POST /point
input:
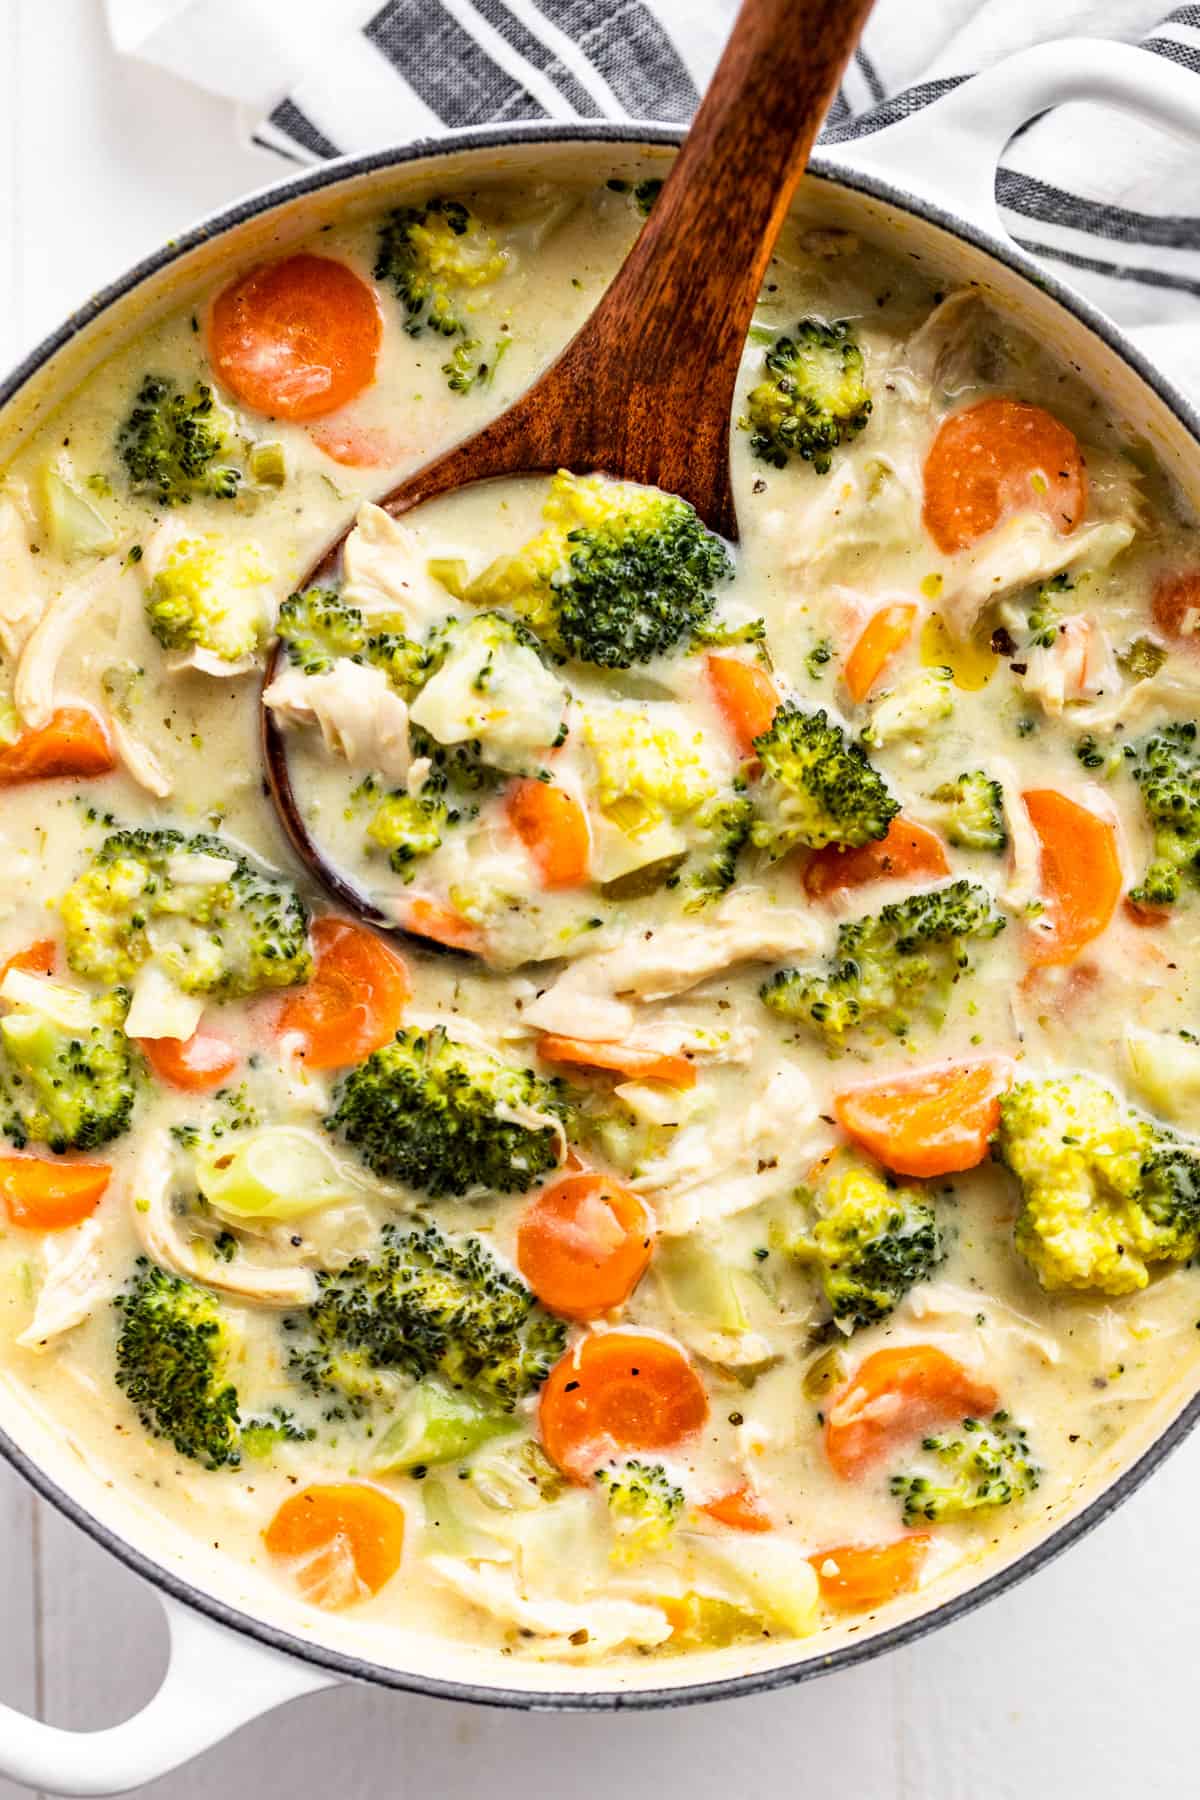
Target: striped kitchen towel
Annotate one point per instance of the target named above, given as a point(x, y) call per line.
point(1109, 200)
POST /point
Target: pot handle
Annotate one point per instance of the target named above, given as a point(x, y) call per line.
point(215, 1681)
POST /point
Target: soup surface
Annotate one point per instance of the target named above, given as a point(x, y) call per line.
point(759, 1182)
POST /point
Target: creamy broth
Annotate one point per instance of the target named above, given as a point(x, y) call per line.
point(1034, 651)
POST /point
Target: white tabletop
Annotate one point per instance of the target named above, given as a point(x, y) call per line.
point(1078, 1684)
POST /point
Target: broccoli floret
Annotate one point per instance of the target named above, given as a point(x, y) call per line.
point(644, 1505)
point(1045, 616)
point(870, 1243)
point(173, 1355)
point(447, 1118)
point(171, 441)
point(891, 965)
point(729, 823)
point(1166, 766)
point(214, 921)
point(812, 396)
point(425, 1305)
point(211, 595)
point(645, 772)
point(317, 628)
point(408, 827)
point(435, 256)
point(1104, 1191)
point(988, 1465)
point(816, 788)
point(621, 574)
point(71, 1087)
point(972, 812)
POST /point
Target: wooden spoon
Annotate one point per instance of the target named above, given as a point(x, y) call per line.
point(645, 389)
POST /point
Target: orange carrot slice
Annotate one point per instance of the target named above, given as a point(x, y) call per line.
point(72, 742)
point(1081, 876)
point(898, 1394)
point(625, 1059)
point(196, 1064)
point(745, 695)
point(996, 458)
point(934, 1121)
point(740, 1509)
point(553, 828)
point(297, 338)
point(431, 919)
point(616, 1394)
point(583, 1244)
point(344, 1541)
point(49, 1196)
point(1175, 606)
point(882, 635)
point(357, 446)
point(908, 852)
point(35, 959)
point(857, 1577)
point(355, 1000)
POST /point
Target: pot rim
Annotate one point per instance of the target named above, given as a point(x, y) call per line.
point(826, 168)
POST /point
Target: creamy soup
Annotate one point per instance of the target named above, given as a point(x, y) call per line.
point(752, 1182)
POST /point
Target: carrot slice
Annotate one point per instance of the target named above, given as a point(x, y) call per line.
point(618, 1393)
point(430, 919)
point(745, 695)
point(740, 1509)
point(583, 1244)
point(72, 742)
point(882, 635)
point(1175, 606)
point(196, 1064)
point(907, 852)
point(357, 446)
point(344, 1541)
point(897, 1394)
point(355, 1000)
point(36, 959)
point(46, 1196)
point(1081, 876)
point(553, 828)
point(934, 1121)
point(857, 1577)
point(994, 459)
point(626, 1059)
point(296, 338)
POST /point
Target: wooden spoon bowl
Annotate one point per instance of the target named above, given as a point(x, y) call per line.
point(645, 390)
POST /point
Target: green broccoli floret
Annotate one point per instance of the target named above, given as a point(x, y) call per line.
point(424, 1305)
point(621, 574)
point(1044, 617)
point(435, 256)
point(891, 965)
point(812, 396)
point(171, 441)
point(1104, 1191)
point(816, 787)
point(173, 1355)
point(870, 1243)
point(989, 1465)
point(1166, 766)
point(644, 1505)
point(972, 812)
point(213, 595)
point(408, 827)
point(317, 628)
point(70, 1086)
point(447, 1118)
point(215, 922)
point(729, 824)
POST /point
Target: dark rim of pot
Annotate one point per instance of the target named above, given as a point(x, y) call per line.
point(813, 1664)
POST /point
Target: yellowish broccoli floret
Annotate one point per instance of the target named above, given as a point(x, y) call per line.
point(1105, 1193)
point(211, 595)
point(869, 1242)
point(435, 256)
point(645, 773)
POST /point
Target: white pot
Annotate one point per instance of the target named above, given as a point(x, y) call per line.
point(926, 185)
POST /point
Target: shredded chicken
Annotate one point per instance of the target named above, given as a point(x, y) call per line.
point(362, 719)
point(75, 1284)
point(104, 589)
point(1020, 552)
point(937, 1300)
point(21, 602)
point(163, 1235)
point(595, 998)
point(1078, 665)
point(384, 572)
point(139, 760)
point(578, 1630)
point(1022, 883)
point(942, 355)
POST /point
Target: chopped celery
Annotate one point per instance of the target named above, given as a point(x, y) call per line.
point(267, 465)
point(451, 572)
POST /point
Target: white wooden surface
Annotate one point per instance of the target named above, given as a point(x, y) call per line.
point(1079, 1684)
